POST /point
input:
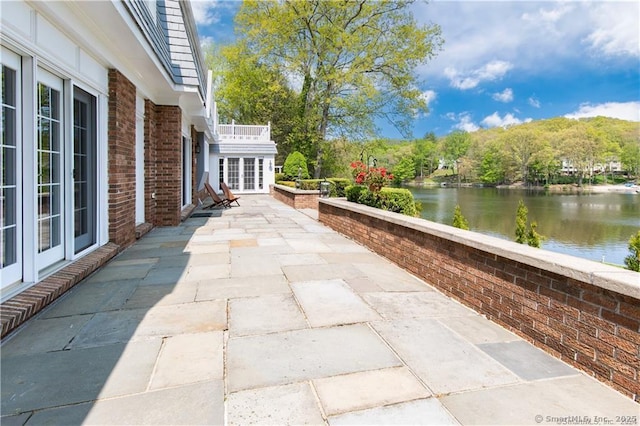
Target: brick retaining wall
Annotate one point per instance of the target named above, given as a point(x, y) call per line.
point(296, 198)
point(583, 312)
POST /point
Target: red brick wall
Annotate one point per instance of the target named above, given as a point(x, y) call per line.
point(150, 159)
point(295, 198)
point(121, 158)
point(591, 328)
point(168, 124)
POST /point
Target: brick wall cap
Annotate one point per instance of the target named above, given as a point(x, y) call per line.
point(598, 274)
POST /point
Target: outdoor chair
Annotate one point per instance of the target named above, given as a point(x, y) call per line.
point(227, 193)
point(217, 201)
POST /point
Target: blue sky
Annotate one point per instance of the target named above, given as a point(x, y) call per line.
point(509, 62)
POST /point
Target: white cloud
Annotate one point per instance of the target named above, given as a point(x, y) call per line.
point(505, 96)
point(429, 96)
point(204, 11)
point(616, 28)
point(494, 120)
point(534, 102)
point(490, 71)
point(536, 37)
point(464, 121)
point(623, 110)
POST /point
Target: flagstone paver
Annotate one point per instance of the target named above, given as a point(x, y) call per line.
point(368, 389)
point(261, 315)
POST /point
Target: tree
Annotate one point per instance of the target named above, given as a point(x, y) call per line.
point(459, 220)
point(521, 143)
point(521, 223)
point(630, 156)
point(250, 93)
point(404, 170)
point(455, 147)
point(633, 259)
point(523, 235)
point(425, 152)
point(353, 61)
point(296, 166)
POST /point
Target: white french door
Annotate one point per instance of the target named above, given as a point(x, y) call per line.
point(49, 185)
point(11, 258)
point(242, 174)
point(49, 170)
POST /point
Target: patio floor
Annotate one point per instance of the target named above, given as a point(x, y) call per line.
point(261, 315)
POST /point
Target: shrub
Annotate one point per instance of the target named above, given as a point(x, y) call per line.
point(288, 183)
point(632, 261)
point(353, 192)
point(295, 163)
point(459, 221)
point(397, 200)
point(341, 185)
point(279, 177)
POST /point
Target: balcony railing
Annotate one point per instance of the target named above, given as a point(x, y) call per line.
point(235, 131)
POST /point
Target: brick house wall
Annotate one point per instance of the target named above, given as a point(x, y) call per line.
point(168, 124)
point(121, 159)
point(150, 161)
point(588, 326)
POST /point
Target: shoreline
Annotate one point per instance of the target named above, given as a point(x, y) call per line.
point(558, 188)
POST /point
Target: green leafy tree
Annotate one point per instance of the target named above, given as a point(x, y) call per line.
point(455, 146)
point(521, 143)
point(630, 156)
point(296, 166)
point(354, 61)
point(425, 153)
point(250, 92)
point(459, 220)
point(632, 261)
point(404, 170)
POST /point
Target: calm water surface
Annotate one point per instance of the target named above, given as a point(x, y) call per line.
point(594, 226)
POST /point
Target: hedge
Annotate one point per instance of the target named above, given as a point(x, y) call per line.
point(399, 200)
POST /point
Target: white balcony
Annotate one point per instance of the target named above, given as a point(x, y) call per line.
point(241, 132)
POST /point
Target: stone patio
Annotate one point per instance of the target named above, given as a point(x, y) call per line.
point(261, 315)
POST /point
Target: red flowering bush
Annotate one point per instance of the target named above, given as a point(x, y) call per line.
point(372, 177)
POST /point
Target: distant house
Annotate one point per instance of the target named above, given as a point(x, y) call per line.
point(243, 156)
point(108, 129)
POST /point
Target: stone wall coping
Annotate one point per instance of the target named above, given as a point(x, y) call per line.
point(598, 274)
point(296, 190)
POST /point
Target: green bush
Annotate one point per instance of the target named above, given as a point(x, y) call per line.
point(341, 184)
point(279, 177)
point(295, 163)
point(352, 192)
point(288, 183)
point(399, 200)
point(632, 261)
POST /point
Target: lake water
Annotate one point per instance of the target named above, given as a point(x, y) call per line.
point(593, 226)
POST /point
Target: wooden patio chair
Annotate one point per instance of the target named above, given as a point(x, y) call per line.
point(215, 198)
point(227, 193)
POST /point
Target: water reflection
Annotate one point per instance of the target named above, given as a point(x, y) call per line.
point(589, 226)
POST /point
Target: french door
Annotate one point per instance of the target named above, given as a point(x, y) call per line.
point(84, 166)
point(10, 178)
point(49, 167)
point(48, 183)
point(243, 174)
point(249, 168)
